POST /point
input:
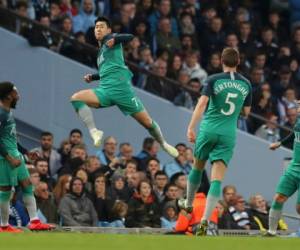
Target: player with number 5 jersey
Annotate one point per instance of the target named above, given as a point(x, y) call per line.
point(114, 87)
point(224, 97)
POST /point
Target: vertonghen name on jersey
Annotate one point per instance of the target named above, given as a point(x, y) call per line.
point(231, 84)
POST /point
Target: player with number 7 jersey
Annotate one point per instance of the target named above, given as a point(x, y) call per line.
point(224, 97)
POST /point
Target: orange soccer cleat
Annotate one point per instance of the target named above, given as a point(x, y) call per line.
point(10, 229)
point(37, 225)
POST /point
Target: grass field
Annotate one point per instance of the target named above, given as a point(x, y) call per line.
point(89, 241)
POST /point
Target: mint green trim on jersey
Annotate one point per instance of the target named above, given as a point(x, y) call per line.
point(78, 105)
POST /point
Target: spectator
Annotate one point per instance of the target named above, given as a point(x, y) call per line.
point(108, 154)
point(135, 179)
point(41, 36)
point(42, 167)
point(62, 187)
point(86, 17)
point(75, 208)
point(214, 65)
point(150, 149)
point(34, 176)
point(232, 41)
point(83, 175)
point(163, 10)
point(237, 216)
point(93, 167)
point(256, 78)
point(180, 164)
point(153, 166)
point(69, 8)
point(160, 182)
point(64, 151)
point(101, 201)
point(133, 50)
point(283, 82)
point(131, 167)
point(196, 86)
point(45, 203)
point(118, 214)
point(229, 192)
point(175, 67)
point(141, 30)
point(77, 160)
point(143, 209)
point(260, 213)
point(290, 123)
point(246, 41)
point(180, 180)
point(269, 131)
point(75, 137)
point(186, 24)
point(163, 38)
point(171, 193)
point(146, 61)
point(41, 7)
point(170, 215)
point(118, 189)
point(268, 45)
point(47, 152)
point(184, 98)
point(193, 67)
point(55, 15)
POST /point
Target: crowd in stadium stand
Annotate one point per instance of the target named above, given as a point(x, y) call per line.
point(117, 188)
point(182, 40)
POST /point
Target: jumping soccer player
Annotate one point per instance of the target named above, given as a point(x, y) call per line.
point(289, 181)
point(12, 166)
point(226, 94)
point(115, 87)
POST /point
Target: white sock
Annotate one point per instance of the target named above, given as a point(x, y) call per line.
point(30, 204)
point(274, 217)
point(4, 213)
point(211, 203)
point(86, 115)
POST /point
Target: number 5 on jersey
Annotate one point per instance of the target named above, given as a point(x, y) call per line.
point(231, 104)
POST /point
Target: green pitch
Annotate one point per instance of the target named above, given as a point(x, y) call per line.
point(88, 241)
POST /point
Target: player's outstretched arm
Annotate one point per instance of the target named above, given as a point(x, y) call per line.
point(197, 114)
point(275, 145)
point(91, 77)
point(119, 38)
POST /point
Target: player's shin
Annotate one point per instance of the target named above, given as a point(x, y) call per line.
point(29, 202)
point(274, 216)
point(4, 207)
point(155, 131)
point(193, 184)
point(213, 197)
point(85, 114)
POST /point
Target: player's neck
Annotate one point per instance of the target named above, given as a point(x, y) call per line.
point(229, 69)
point(5, 106)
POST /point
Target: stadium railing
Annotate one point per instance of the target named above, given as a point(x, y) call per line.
point(10, 17)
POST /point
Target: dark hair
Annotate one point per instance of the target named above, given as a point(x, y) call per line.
point(140, 184)
point(46, 133)
point(169, 185)
point(175, 177)
point(21, 4)
point(180, 144)
point(75, 130)
point(124, 144)
point(5, 89)
point(152, 159)
point(44, 14)
point(39, 160)
point(160, 172)
point(72, 182)
point(104, 20)
point(132, 161)
point(148, 143)
point(230, 57)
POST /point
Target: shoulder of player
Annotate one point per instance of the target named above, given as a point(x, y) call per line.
point(241, 77)
point(215, 77)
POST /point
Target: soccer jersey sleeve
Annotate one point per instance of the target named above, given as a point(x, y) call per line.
point(208, 87)
point(123, 38)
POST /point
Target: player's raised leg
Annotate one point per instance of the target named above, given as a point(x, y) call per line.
point(154, 130)
point(82, 101)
